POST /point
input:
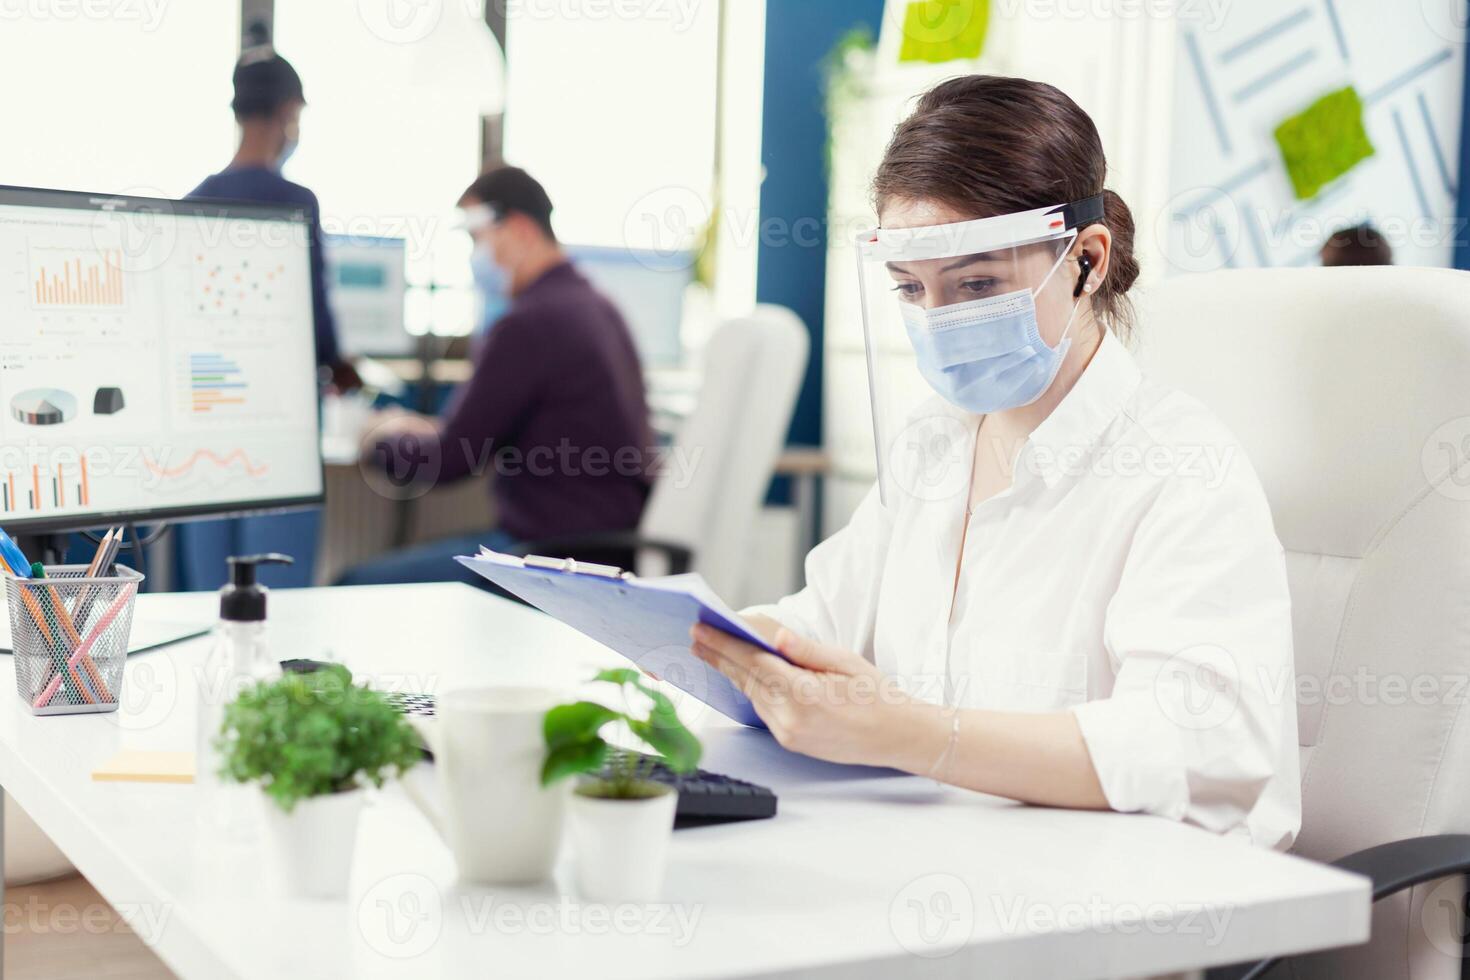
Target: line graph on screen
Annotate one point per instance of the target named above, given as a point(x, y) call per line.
point(205, 464)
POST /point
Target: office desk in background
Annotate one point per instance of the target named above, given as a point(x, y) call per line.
point(362, 520)
point(853, 878)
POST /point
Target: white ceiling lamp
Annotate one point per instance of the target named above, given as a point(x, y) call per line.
point(465, 59)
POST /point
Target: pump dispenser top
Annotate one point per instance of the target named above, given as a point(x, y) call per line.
point(243, 599)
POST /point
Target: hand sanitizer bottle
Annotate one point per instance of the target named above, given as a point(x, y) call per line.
point(240, 658)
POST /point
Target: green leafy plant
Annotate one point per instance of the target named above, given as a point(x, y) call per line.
point(575, 746)
point(313, 734)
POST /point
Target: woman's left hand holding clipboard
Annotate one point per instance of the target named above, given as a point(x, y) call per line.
point(821, 701)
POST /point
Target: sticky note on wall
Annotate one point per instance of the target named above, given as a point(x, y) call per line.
point(1324, 141)
point(936, 31)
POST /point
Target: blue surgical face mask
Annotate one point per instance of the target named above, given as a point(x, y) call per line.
point(493, 286)
point(986, 355)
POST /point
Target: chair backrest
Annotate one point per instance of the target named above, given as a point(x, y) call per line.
point(716, 476)
point(1349, 390)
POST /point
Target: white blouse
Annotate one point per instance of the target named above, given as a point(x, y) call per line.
point(1130, 575)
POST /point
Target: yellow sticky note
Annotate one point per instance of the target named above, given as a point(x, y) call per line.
point(936, 31)
point(138, 766)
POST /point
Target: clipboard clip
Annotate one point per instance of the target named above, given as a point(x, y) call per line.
point(571, 566)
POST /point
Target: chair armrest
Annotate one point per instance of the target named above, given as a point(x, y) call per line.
point(618, 548)
point(1403, 864)
point(1391, 867)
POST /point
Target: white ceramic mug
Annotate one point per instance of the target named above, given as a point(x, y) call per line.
point(499, 822)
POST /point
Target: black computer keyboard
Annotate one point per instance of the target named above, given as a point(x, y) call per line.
point(413, 705)
point(704, 797)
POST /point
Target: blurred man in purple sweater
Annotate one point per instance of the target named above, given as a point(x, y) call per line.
point(555, 408)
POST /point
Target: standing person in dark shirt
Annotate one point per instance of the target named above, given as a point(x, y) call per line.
point(267, 104)
point(555, 407)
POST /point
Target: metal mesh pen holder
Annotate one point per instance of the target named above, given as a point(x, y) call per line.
point(69, 634)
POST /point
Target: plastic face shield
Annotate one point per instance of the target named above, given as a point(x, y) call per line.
point(963, 295)
point(477, 217)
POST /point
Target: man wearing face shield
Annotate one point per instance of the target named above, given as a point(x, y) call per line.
point(1065, 587)
point(554, 408)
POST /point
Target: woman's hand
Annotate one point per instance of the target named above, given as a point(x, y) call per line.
point(834, 705)
point(827, 702)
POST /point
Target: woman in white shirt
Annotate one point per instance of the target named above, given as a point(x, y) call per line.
point(1066, 588)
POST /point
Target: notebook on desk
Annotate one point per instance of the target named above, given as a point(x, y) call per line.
point(647, 620)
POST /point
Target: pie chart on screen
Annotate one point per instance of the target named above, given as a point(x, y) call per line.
point(43, 406)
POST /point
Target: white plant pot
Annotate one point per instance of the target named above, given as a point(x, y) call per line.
point(315, 841)
point(622, 846)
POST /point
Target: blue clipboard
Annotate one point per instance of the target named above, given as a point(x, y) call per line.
point(646, 620)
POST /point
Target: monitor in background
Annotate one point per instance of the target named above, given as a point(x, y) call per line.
point(157, 361)
point(648, 289)
point(365, 287)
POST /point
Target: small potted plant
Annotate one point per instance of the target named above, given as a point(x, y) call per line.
point(313, 741)
point(620, 819)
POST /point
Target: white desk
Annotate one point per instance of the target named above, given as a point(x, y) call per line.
point(873, 877)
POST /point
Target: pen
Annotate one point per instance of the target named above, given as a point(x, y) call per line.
point(14, 559)
point(18, 566)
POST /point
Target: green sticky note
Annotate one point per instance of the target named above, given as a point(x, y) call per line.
point(1324, 141)
point(936, 31)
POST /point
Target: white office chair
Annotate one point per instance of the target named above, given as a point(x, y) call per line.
point(703, 507)
point(1350, 391)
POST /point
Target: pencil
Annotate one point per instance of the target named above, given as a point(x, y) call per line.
point(50, 602)
point(102, 547)
point(94, 570)
point(106, 620)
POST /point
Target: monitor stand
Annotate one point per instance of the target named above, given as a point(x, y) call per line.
point(146, 633)
point(49, 549)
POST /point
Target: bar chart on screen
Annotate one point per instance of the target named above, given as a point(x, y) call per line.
point(231, 386)
point(46, 486)
point(72, 277)
point(215, 383)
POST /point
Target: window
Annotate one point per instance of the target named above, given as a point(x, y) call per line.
point(391, 133)
point(136, 100)
point(611, 106)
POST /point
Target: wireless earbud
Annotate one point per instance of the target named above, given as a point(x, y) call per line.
point(1085, 264)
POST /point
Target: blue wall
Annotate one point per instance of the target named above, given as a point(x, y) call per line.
point(792, 257)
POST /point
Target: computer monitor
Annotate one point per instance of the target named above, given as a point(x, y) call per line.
point(648, 289)
point(365, 287)
point(157, 360)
